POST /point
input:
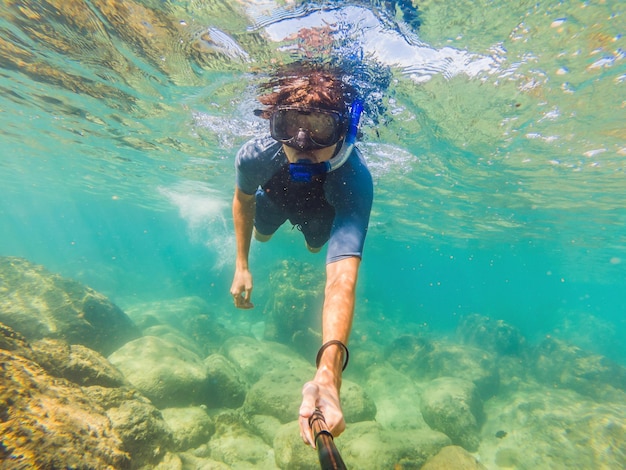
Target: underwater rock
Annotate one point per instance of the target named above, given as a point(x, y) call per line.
point(394, 394)
point(290, 452)
point(453, 457)
point(191, 316)
point(51, 422)
point(11, 340)
point(265, 426)
point(48, 422)
point(591, 333)
point(355, 403)
point(113, 397)
point(191, 461)
point(234, 444)
point(174, 336)
point(168, 374)
point(368, 446)
point(560, 364)
point(256, 358)
point(207, 332)
point(141, 427)
point(452, 406)
point(493, 335)
point(190, 426)
point(277, 394)
point(170, 461)
point(293, 311)
point(364, 352)
point(553, 428)
point(405, 350)
point(76, 363)
point(423, 359)
point(226, 386)
point(39, 304)
point(253, 357)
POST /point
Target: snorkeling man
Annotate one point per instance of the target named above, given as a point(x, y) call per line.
point(308, 171)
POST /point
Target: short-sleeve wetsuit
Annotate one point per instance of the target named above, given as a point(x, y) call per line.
point(333, 207)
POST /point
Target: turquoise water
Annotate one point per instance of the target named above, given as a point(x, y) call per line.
point(499, 167)
point(499, 182)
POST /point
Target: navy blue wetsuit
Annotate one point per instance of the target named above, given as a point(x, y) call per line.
point(333, 207)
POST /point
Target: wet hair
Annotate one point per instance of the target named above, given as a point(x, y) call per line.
point(306, 85)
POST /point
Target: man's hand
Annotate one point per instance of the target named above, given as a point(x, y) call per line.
point(241, 289)
point(325, 397)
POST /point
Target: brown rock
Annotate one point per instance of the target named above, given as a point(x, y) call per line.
point(453, 457)
point(48, 422)
point(139, 425)
point(11, 340)
point(76, 363)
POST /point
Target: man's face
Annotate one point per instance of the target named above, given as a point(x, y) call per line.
point(306, 132)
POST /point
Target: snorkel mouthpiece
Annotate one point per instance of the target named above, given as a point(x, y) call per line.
point(303, 171)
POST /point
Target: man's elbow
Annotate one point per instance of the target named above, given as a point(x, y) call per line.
point(243, 199)
point(342, 275)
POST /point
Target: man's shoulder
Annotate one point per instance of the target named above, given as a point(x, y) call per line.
point(256, 162)
point(258, 148)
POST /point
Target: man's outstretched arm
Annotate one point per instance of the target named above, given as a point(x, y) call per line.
point(323, 391)
point(243, 217)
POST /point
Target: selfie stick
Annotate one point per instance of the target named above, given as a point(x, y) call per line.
point(327, 452)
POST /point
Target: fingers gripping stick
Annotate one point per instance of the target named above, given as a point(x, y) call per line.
point(327, 452)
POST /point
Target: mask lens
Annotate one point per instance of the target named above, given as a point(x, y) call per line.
point(323, 127)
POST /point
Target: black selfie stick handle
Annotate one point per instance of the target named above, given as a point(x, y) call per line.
point(327, 452)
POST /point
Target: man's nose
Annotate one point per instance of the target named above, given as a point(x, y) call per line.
point(302, 139)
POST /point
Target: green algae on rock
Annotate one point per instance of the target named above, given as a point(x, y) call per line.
point(168, 374)
point(49, 422)
point(452, 406)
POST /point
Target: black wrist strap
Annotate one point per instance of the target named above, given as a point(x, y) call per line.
point(333, 342)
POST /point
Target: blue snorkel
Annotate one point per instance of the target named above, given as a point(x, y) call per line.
point(350, 140)
point(303, 171)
